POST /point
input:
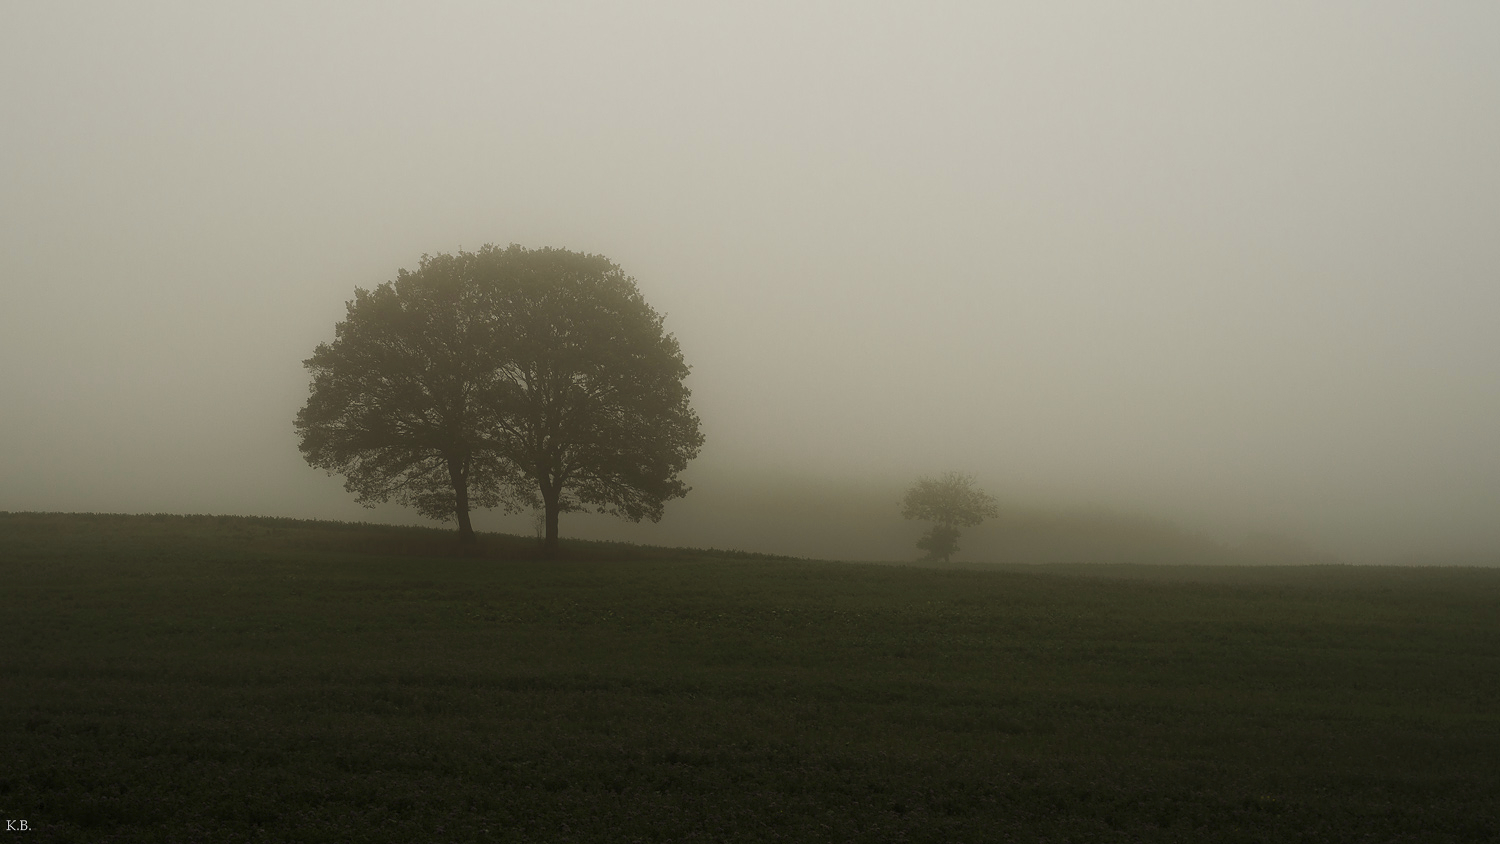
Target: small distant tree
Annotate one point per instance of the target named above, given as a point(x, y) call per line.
point(949, 502)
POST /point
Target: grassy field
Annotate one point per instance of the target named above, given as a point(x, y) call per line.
point(225, 679)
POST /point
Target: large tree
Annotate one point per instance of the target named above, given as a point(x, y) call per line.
point(401, 401)
point(590, 403)
point(950, 502)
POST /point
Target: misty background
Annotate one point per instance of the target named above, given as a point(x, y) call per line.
point(1225, 273)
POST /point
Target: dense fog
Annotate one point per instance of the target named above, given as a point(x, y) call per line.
point(1223, 279)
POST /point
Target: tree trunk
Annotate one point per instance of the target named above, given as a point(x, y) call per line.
point(552, 502)
point(458, 473)
point(465, 530)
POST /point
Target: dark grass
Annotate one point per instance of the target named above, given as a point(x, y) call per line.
point(224, 679)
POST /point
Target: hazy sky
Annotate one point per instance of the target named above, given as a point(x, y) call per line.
point(1232, 264)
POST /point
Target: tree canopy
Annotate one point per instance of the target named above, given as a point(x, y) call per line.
point(951, 501)
point(503, 377)
point(399, 400)
point(590, 403)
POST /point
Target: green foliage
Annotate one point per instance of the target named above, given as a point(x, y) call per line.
point(590, 403)
point(940, 542)
point(398, 403)
point(951, 501)
point(220, 679)
point(504, 377)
